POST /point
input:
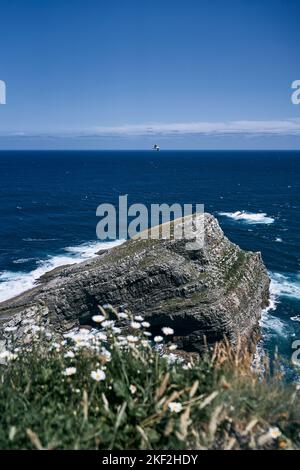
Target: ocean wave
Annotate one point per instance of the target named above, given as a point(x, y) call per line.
point(249, 217)
point(23, 260)
point(283, 285)
point(14, 283)
point(270, 325)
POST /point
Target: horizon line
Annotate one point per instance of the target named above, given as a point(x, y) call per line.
point(149, 150)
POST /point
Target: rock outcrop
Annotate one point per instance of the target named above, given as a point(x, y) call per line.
point(215, 291)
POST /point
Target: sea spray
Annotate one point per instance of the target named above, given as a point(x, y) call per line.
point(14, 283)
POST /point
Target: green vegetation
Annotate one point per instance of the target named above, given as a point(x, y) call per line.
point(112, 390)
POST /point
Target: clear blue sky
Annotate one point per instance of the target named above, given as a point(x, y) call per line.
point(125, 74)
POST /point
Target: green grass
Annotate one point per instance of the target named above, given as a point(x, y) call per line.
point(222, 402)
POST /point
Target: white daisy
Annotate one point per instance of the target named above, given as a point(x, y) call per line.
point(80, 340)
point(132, 339)
point(135, 325)
point(167, 331)
point(116, 330)
point(274, 432)
point(105, 353)
point(146, 324)
point(138, 318)
point(175, 407)
point(108, 323)
point(132, 389)
point(101, 336)
point(84, 332)
point(173, 347)
point(158, 339)
point(69, 371)
point(98, 375)
point(122, 315)
point(98, 318)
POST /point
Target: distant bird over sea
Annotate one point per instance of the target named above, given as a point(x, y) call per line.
point(156, 147)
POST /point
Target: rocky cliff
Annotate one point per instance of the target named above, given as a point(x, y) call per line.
point(215, 291)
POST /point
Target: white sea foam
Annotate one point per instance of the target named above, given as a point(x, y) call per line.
point(268, 321)
point(285, 286)
point(23, 260)
point(14, 283)
point(281, 286)
point(249, 217)
point(273, 301)
point(273, 324)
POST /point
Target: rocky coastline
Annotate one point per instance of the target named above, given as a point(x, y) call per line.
point(205, 295)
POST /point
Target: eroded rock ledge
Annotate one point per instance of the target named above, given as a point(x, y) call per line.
point(216, 291)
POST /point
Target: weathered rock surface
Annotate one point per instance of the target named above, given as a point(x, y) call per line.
point(215, 291)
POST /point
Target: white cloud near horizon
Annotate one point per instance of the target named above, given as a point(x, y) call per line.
point(286, 127)
point(282, 127)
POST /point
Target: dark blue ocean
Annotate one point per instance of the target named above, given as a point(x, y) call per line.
point(49, 199)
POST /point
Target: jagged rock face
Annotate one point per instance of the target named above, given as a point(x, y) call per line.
point(215, 291)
